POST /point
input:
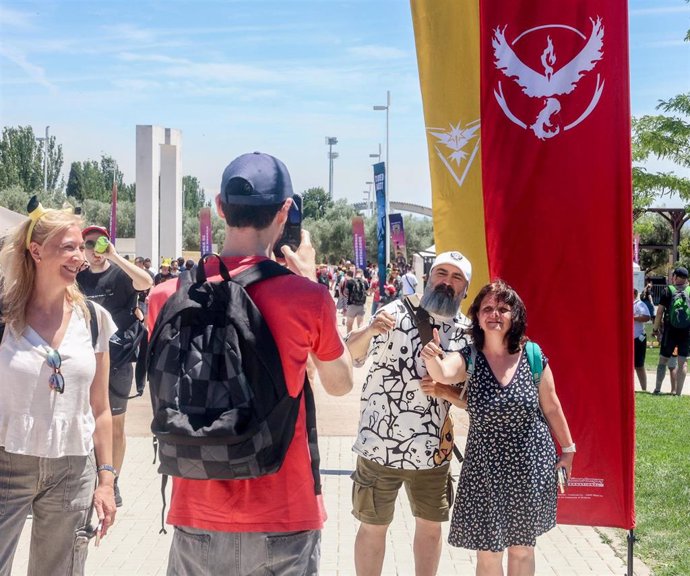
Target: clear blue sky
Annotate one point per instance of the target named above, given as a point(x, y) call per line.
point(238, 76)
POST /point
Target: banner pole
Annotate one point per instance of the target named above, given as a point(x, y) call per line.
point(631, 544)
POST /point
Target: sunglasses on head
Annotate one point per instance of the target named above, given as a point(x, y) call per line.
point(56, 380)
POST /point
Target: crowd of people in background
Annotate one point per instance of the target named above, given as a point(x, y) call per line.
point(345, 279)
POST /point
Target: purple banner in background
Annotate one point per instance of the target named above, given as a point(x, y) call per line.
point(359, 242)
point(398, 240)
point(206, 240)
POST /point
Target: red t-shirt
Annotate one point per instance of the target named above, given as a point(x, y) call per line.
point(301, 316)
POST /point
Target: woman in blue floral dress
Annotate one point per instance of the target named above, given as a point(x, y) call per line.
point(508, 484)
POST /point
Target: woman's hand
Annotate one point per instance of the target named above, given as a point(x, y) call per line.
point(443, 391)
point(433, 348)
point(566, 461)
point(430, 387)
point(104, 504)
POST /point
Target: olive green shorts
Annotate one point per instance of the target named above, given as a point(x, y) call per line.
point(375, 488)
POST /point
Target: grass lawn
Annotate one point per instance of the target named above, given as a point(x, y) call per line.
point(651, 359)
point(662, 483)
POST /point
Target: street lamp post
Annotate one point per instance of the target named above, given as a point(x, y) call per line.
point(377, 156)
point(388, 170)
point(369, 198)
point(331, 141)
point(45, 141)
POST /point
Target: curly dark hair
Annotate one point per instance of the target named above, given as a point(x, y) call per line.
point(503, 293)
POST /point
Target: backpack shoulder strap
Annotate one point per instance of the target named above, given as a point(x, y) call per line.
point(472, 361)
point(534, 358)
point(93, 322)
point(312, 435)
point(420, 319)
point(262, 271)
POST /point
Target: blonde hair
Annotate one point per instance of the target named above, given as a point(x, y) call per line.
point(18, 268)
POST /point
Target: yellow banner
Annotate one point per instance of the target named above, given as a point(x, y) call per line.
point(447, 39)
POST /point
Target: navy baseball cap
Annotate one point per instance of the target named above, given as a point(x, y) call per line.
point(681, 272)
point(255, 179)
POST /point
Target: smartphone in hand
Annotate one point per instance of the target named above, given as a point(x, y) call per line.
point(292, 233)
point(562, 480)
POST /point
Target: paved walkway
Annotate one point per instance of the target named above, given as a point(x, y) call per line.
point(135, 547)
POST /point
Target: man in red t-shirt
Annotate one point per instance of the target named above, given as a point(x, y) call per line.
point(273, 523)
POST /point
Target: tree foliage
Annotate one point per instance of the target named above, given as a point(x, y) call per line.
point(664, 137)
point(193, 195)
point(331, 235)
point(21, 160)
point(653, 229)
point(315, 203)
point(93, 180)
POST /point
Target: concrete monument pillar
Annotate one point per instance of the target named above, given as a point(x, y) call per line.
point(159, 193)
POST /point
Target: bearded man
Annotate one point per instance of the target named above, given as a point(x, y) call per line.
point(404, 435)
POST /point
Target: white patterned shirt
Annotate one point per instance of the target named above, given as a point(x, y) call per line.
point(400, 426)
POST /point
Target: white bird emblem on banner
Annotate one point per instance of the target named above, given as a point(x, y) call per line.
point(550, 83)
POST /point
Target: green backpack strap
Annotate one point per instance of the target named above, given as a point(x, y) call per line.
point(534, 358)
point(471, 361)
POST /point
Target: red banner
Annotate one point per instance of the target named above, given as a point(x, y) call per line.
point(205, 231)
point(556, 168)
point(359, 242)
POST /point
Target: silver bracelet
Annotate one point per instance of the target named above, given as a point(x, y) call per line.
point(568, 449)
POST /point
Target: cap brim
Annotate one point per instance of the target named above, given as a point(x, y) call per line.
point(89, 229)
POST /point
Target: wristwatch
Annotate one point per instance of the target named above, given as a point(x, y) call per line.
point(568, 449)
point(106, 468)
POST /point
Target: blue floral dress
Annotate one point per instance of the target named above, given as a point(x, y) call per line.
point(507, 490)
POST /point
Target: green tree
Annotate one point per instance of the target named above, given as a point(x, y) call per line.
point(315, 203)
point(653, 229)
point(15, 198)
point(111, 173)
point(21, 159)
point(193, 195)
point(666, 137)
point(332, 234)
point(191, 232)
point(87, 181)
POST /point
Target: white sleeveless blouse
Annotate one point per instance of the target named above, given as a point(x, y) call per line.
point(35, 420)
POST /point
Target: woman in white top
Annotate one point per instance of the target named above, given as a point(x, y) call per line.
point(55, 423)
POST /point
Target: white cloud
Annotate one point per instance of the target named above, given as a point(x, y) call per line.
point(131, 33)
point(15, 18)
point(35, 73)
point(374, 52)
point(132, 57)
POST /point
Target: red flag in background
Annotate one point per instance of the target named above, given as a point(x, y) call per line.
point(556, 171)
point(113, 214)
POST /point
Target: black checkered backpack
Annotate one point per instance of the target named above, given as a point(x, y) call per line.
point(221, 408)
